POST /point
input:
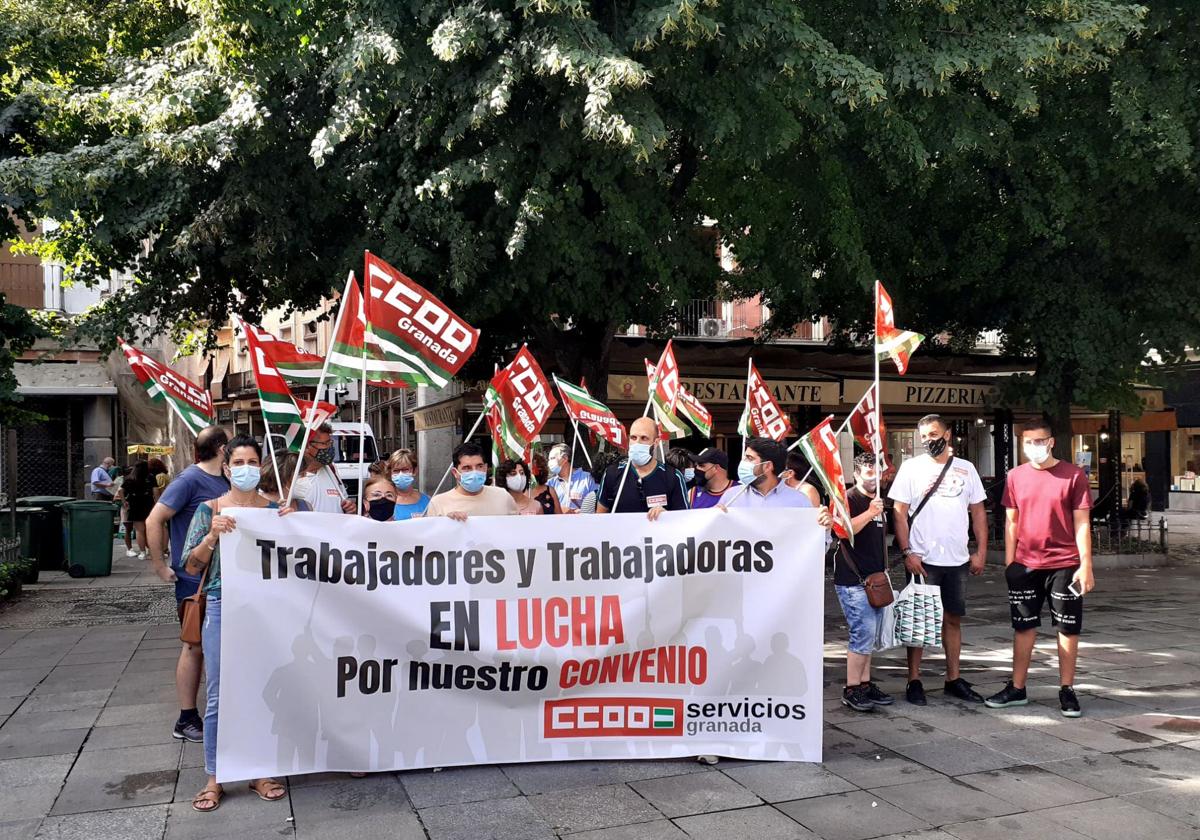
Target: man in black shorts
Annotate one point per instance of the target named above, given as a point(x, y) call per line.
point(1047, 556)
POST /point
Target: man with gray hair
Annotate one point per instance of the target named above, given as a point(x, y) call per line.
point(570, 483)
point(318, 485)
point(101, 481)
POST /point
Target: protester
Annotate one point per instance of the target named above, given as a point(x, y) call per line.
point(471, 496)
point(852, 563)
point(514, 477)
point(712, 473)
point(159, 475)
point(1047, 555)
point(379, 499)
point(411, 503)
point(318, 484)
point(126, 529)
point(650, 487)
point(571, 483)
point(101, 482)
point(200, 482)
point(601, 461)
point(269, 485)
point(540, 492)
point(939, 490)
point(684, 462)
point(136, 496)
point(201, 550)
point(796, 469)
point(759, 474)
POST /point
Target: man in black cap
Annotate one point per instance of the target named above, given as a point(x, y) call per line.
point(713, 465)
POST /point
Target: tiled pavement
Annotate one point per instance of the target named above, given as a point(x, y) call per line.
point(85, 750)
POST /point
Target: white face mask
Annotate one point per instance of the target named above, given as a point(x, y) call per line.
point(516, 483)
point(1037, 454)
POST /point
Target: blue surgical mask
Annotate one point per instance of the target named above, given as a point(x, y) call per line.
point(245, 476)
point(403, 481)
point(473, 481)
point(640, 454)
point(689, 475)
point(746, 472)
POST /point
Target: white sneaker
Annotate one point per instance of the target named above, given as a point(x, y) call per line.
point(707, 759)
point(129, 552)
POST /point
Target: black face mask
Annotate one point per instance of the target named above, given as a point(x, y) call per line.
point(381, 510)
point(935, 447)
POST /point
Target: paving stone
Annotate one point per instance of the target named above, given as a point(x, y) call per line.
point(585, 809)
point(761, 823)
point(1011, 826)
point(122, 824)
point(1168, 764)
point(1108, 773)
point(374, 806)
point(957, 756)
point(8, 705)
point(127, 735)
point(944, 801)
point(1118, 819)
point(679, 796)
point(120, 778)
point(20, 682)
point(1031, 788)
point(892, 732)
point(1165, 727)
point(456, 784)
point(496, 819)
point(43, 701)
point(118, 715)
point(93, 657)
point(17, 742)
point(19, 829)
point(876, 768)
point(1031, 746)
point(1103, 736)
point(654, 830)
point(542, 777)
point(1178, 802)
point(783, 781)
point(36, 721)
point(242, 814)
point(850, 816)
point(929, 834)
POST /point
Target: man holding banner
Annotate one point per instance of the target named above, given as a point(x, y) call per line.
point(652, 488)
point(471, 495)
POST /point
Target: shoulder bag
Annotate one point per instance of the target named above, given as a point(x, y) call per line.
point(878, 585)
point(191, 618)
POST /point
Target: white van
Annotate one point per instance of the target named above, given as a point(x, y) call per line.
point(345, 448)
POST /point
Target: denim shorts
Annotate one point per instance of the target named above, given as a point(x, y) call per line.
point(861, 616)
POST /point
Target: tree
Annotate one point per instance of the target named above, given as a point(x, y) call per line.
point(546, 165)
point(1068, 222)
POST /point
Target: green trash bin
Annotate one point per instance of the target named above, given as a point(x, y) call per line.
point(50, 526)
point(30, 527)
point(88, 529)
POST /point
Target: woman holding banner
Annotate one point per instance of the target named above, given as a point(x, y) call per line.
point(513, 476)
point(539, 491)
point(410, 501)
point(379, 498)
point(202, 555)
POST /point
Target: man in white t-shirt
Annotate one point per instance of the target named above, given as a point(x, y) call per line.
point(935, 544)
point(318, 485)
point(472, 496)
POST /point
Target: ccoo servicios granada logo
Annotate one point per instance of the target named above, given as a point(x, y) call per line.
point(650, 717)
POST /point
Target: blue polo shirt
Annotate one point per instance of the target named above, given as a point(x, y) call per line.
point(779, 496)
point(572, 492)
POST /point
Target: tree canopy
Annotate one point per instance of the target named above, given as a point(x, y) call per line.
point(556, 169)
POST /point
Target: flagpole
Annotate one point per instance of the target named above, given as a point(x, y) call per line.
point(470, 434)
point(362, 422)
point(878, 402)
point(582, 446)
point(746, 401)
point(629, 459)
point(337, 322)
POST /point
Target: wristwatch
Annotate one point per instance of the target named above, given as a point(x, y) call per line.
point(904, 552)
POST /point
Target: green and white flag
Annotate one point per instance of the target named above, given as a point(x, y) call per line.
point(191, 403)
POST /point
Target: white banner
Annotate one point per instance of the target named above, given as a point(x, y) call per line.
point(353, 645)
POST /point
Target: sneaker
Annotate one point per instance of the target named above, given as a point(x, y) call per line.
point(855, 696)
point(188, 730)
point(961, 689)
point(878, 697)
point(707, 759)
point(129, 553)
point(1008, 696)
point(1068, 702)
point(914, 693)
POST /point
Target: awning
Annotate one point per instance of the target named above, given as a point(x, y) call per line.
point(74, 379)
point(149, 449)
point(1150, 421)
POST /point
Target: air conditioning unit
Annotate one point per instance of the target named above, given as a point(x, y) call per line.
point(713, 327)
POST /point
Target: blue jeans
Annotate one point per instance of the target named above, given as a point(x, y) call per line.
point(860, 615)
point(210, 637)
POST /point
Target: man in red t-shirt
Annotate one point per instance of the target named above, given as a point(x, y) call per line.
point(1047, 554)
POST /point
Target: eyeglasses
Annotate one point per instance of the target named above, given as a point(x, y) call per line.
point(1039, 441)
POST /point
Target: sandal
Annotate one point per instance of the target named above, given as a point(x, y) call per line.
point(208, 794)
point(268, 790)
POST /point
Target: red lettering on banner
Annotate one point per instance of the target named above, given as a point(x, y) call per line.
point(582, 621)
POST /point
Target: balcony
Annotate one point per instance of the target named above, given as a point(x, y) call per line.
point(725, 319)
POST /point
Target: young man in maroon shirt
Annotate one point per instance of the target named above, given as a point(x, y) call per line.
point(1047, 555)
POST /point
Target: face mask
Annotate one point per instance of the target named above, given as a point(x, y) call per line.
point(473, 481)
point(516, 483)
point(244, 476)
point(403, 481)
point(689, 475)
point(554, 466)
point(640, 454)
point(935, 447)
point(381, 510)
point(324, 457)
point(1037, 454)
point(746, 474)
